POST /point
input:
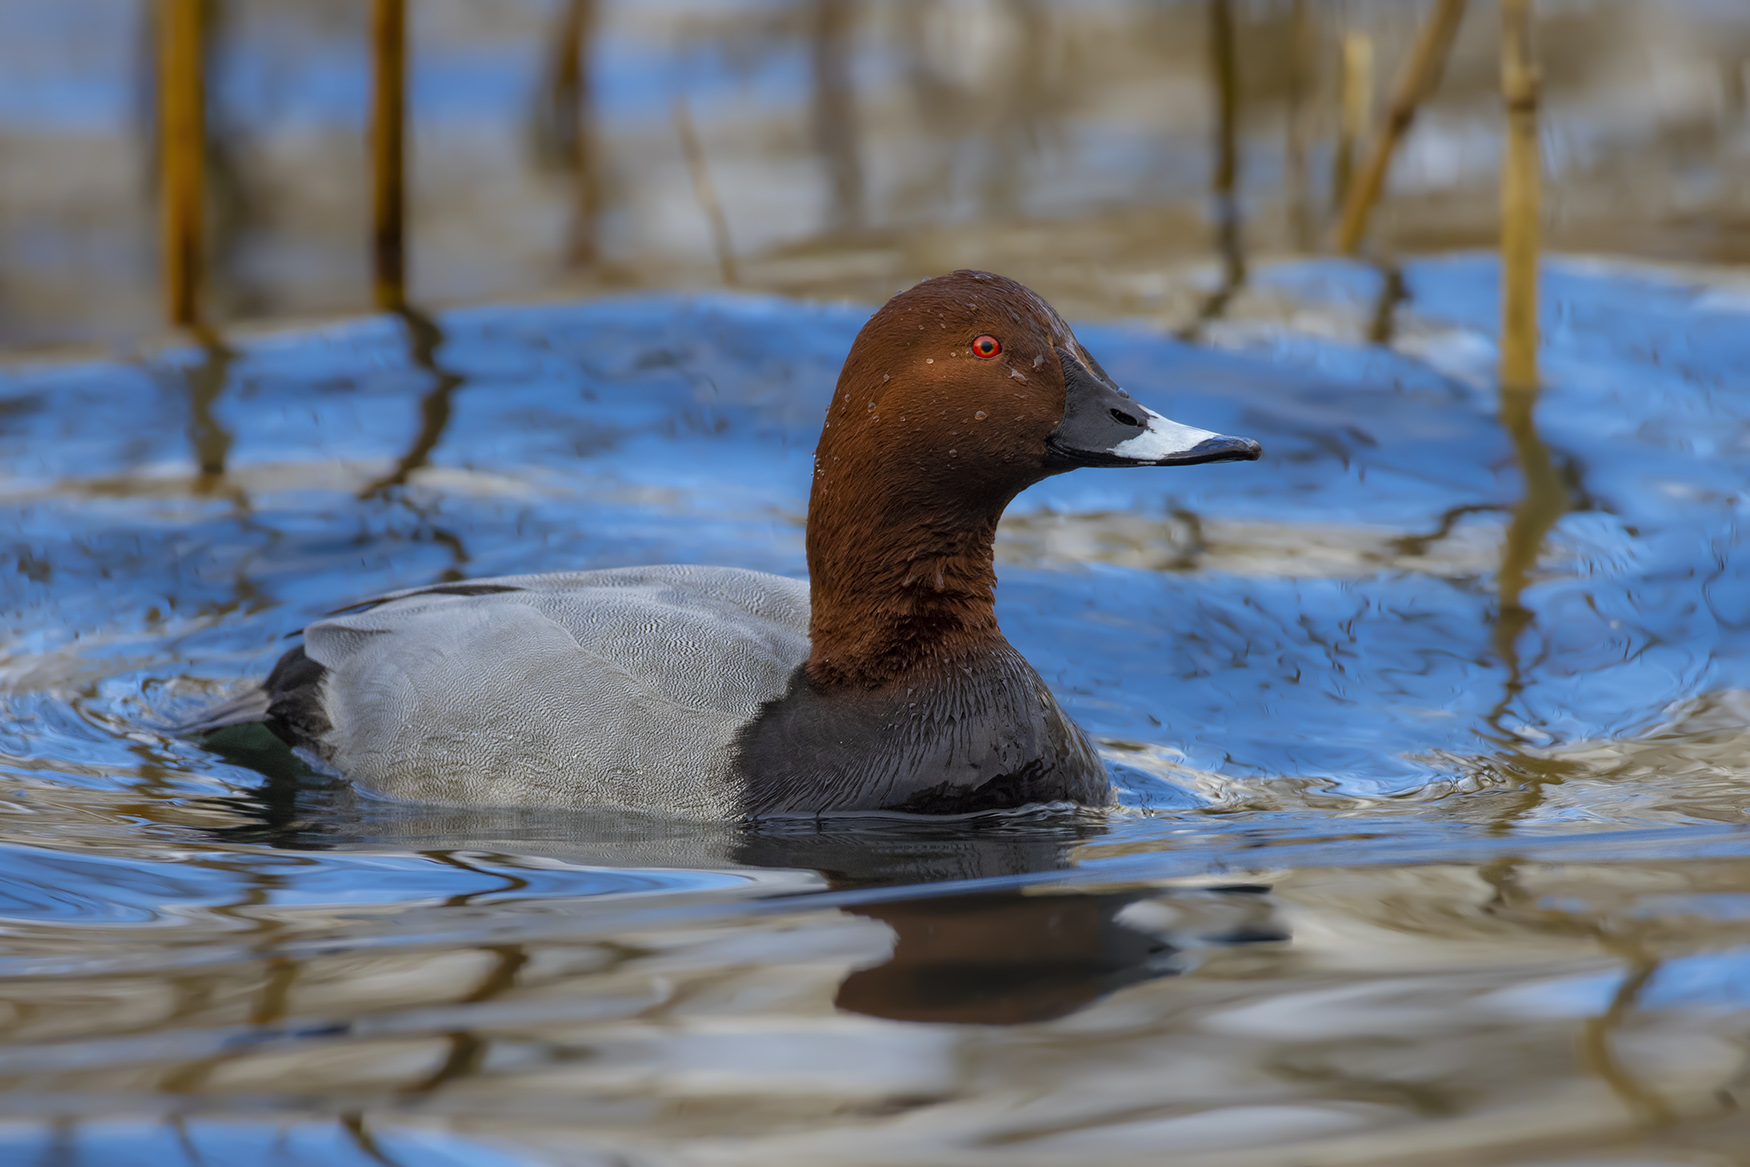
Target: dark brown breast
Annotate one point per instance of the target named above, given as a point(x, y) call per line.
point(981, 733)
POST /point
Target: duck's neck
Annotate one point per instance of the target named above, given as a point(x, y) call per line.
point(898, 591)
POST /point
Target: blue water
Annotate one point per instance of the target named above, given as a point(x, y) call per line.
point(1433, 699)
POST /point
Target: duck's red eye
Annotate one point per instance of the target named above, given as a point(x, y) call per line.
point(986, 347)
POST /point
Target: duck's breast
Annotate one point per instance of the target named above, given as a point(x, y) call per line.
point(618, 688)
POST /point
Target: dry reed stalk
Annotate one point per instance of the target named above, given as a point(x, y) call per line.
point(1224, 179)
point(389, 153)
point(1300, 69)
point(1417, 81)
point(1520, 191)
point(573, 125)
point(1356, 120)
point(833, 109)
point(1546, 497)
point(705, 191)
point(1224, 169)
point(182, 141)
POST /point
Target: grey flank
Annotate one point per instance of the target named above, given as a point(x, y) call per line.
point(621, 688)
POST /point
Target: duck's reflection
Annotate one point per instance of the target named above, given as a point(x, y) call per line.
point(911, 850)
point(1016, 956)
point(997, 955)
point(1003, 958)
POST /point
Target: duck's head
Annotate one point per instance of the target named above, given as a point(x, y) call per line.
point(957, 395)
point(974, 388)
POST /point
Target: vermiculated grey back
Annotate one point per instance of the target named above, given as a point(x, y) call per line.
point(621, 688)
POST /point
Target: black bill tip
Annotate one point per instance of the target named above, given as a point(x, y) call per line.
point(1218, 449)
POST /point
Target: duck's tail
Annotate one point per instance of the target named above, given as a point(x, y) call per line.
point(249, 707)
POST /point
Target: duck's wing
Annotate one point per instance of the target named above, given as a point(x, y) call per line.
point(622, 688)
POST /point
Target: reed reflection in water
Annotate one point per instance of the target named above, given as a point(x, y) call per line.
point(1429, 737)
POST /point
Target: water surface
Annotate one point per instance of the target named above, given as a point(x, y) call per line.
point(1430, 730)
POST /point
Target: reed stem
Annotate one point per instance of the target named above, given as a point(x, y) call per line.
point(182, 141)
point(1418, 80)
point(572, 121)
point(704, 191)
point(1224, 179)
point(389, 153)
point(1520, 197)
point(1356, 121)
point(1300, 56)
point(834, 111)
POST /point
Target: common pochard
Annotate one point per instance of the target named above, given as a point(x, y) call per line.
point(882, 683)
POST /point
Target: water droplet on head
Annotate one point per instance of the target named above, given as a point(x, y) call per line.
point(953, 453)
point(979, 415)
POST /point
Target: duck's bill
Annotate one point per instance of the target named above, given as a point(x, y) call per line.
point(1164, 442)
point(1104, 426)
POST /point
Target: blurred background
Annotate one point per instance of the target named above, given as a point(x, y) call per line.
point(854, 146)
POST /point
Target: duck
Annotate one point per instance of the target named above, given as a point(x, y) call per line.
point(880, 684)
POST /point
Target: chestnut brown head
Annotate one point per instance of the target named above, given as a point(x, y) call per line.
point(957, 395)
point(976, 388)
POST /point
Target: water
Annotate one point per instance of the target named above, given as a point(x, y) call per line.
point(1431, 731)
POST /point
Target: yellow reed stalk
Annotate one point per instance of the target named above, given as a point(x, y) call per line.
point(704, 191)
point(1420, 76)
point(1356, 121)
point(389, 153)
point(1521, 179)
point(574, 126)
point(1224, 178)
point(182, 134)
point(1300, 69)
